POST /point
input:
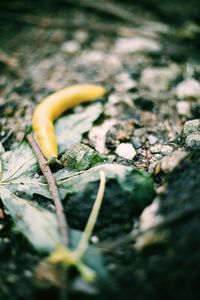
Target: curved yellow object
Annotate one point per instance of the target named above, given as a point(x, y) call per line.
point(53, 106)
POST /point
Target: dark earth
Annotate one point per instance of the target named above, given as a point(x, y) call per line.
point(141, 51)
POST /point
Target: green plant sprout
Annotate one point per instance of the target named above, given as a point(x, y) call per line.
point(66, 257)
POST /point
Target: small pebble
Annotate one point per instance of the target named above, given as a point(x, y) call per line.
point(189, 88)
point(192, 126)
point(192, 141)
point(81, 36)
point(136, 143)
point(167, 149)
point(137, 44)
point(70, 47)
point(126, 150)
point(156, 148)
point(152, 139)
point(94, 239)
point(183, 108)
point(114, 98)
point(92, 57)
point(129, 85)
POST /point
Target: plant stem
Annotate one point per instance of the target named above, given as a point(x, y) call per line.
point(63, 227)
point(83, 244)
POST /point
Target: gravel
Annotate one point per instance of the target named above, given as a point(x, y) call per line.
point(192, 141)
point(192, 126)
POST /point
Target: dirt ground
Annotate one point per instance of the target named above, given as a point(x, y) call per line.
point(147, 57)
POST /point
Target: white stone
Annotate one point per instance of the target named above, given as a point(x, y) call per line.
point(126, 150)
point(70, 47)
point(92, 57)
point(189, 88)
point(81, 35)
point(183, 108)
point(114, 98)
point(125, 86)
point(137, 44)
point(152, 139)
point(94, 239)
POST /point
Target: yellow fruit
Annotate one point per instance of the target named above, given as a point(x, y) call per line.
point(53, 106)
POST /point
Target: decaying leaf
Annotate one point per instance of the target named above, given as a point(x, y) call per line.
point(130, 179)
point(19, 172)
point(39, 226)
point(20, 180)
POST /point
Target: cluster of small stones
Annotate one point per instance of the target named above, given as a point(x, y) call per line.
point(192, 134)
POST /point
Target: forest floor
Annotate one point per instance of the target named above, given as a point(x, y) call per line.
point(150, 67)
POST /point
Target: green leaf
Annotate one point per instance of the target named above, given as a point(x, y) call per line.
point(128, 191)
point(20, 172)
point(39, 226)
point(70, 128)
point(131, 180)
point(18, 161)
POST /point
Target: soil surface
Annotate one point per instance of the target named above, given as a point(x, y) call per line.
point(147, 57)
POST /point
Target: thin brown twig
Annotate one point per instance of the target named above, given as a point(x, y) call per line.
point(63, 227)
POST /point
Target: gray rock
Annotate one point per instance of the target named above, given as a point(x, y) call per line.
point(192, 141)
point(189, 88)
point(192, 126)
point(159, 79)
point(136, 143)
